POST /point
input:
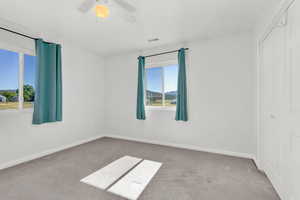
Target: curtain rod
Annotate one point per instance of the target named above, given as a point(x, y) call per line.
point(167, 52)
point(17, 33)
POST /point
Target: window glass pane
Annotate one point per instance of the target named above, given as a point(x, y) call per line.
point(9, 67)
point(170, 84)
point(154, 86)
point(29, 79)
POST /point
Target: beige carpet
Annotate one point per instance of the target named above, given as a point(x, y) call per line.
point(185, 175)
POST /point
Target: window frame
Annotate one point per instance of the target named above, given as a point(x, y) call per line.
point(21, 71)
point(161, 65)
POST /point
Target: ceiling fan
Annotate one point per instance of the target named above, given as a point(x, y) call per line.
point(102, 10)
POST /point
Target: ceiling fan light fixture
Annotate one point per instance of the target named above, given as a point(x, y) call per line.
point(102, 11)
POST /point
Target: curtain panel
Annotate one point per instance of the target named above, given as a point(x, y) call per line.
point(48, 95)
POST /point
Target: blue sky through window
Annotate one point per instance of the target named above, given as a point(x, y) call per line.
point(9, 70)
point(171, 76)
point(154, 78)
point(29, 71)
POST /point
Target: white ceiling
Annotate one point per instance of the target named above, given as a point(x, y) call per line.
point(172, 21)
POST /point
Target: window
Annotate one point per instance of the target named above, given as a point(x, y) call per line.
point(16, 71)
point(9, 82)
point(161, 86)
point(29, 78)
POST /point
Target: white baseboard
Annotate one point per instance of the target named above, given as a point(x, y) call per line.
point(47, 152)
point(258, 165)
point(185, 146)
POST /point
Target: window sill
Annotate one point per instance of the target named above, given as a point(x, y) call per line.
point(25, 110)
point(160, 108)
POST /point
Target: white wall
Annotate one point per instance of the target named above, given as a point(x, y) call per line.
point(221, 83)
point(83, 88)
point(222, 102)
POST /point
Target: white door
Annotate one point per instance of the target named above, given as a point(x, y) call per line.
point(294, 99)
point(280, 105)
point(272, 88)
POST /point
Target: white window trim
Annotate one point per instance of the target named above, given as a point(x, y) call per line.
point(20, 82)
point(161, 64)
point(160, 108)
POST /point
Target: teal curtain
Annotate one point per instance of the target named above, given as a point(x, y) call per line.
point(48, 94)
point(181, 105)
point(140, 107)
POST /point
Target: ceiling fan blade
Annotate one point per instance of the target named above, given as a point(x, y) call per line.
point(86, 5)
point(128, 7)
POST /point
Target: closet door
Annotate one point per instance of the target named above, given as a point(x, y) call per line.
point(272, 89)
point(280, 105)
point(294, 98)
